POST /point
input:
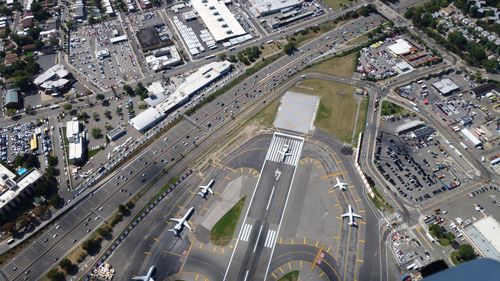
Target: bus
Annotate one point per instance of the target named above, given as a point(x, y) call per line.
point(270, 41)
point(420, 81)
point(210, 57)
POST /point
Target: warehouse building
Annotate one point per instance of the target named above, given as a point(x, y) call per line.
point(219, 20)
point(409, 126)
point(471, 137)
point(262, 8)
point(12, 191)
point(76, 141)
point(483, 235)
point(11, 99)
point(445, 87)
point(146, 119)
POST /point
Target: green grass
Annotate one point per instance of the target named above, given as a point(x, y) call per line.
point(339, 66)
point(336, 4)
point(290, 276)
point(337, 108)
point(91, 153)
point(389, 108)
point(444, 242)
point(380, 201)
point(360, 39)
point(454, 256)
point(222, 232)
point(360, 127)
point(266, 116)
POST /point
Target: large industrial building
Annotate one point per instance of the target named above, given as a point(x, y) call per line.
point(445, 86)
point(484, 236)
point(219, 20)
point(192, 84)
point(76, 141)
point(12, 191)
point(262, 8)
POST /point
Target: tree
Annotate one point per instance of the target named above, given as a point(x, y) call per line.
point(232, 58)
point(104, 231)
point(95, 115)
point(9, 227)
point(222, 57)
point(67, 106)
point(289, 48)
point(129, 90)
point(91, 245)
point(52, 161)
point(56, 275)
point(100, 97)
point(96, 133)
point(66, 265)
point(466, 252)
point(108, 115)
point(476, 52)
point(122, 209)
point(457, 39)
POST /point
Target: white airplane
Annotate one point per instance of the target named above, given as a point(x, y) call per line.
point(182, 222)
point(284, 152)
point(205, 189)
point(341, 185)
point(351, 215)
point(148, 276)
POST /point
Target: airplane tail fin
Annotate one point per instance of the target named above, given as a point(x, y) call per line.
point(202, 194)
point(175, 232)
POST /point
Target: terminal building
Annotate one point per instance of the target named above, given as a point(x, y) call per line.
point(203, 77)
point(12, 190)
point(218, 18)
point(76, 141)
point(54, 80)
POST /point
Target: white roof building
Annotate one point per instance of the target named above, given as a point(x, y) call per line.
point(445, 86)
point(51, 73)
point(163, 58)
point(266, 7)
point(484, 236)
point(218, 19)
point(75, 141)
point(470, 136)
point(146, 119)
point(193, 83)
point(401, 47)
point(10, 189)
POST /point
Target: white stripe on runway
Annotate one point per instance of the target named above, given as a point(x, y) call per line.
point(247, 228)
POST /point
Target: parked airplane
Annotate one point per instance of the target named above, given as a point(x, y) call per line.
point(284, 152)
point(182, 222)
point(148, 276)
point(341, 185)
point(205, 189)
point(351, 215)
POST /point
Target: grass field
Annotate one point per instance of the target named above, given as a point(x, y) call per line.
point(340, 66)
point(336, 4)
point(93, 152)
point(222, 232)
point(290, 276)
point(266, 116)
point(380, 201)
point(389, 108)
point(363, 108)
point(360, 39)
point(337, 108)
point(272, 48)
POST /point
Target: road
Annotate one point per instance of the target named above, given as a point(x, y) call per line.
point(108, 197)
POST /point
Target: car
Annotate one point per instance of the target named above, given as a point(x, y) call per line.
point(58, 226)
point(45, 240)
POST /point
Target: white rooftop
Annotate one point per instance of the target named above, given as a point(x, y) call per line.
point(193, 83)
point(400, 47)
point(263, 7)
point(218, 19)
point(445, 86)
point(143, 120)
point(485, 235)
point(10, 189)
point(56, 70)
point(75, 140)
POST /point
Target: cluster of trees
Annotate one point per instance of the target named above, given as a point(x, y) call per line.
point(96, 133)
point(21, 72)
point(249, 55)
point(139, 90)
point(289, 48)
point(444, 237)
point(472, 52)
point(464, 253)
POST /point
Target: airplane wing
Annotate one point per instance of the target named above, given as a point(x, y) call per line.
point(210, 190)
point(345, 215)
point(176, 220)
point(186, 224)
point(337, 185)
point(203, 186)
point(356, 216)
point(142, 278)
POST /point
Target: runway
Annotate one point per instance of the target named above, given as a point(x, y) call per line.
point(256, 240)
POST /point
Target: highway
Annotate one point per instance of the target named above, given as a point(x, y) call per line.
point(37, 262)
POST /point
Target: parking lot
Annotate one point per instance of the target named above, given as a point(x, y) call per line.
point(419, 169)
point(408, 250)
point(458, 110)
point(102, 62)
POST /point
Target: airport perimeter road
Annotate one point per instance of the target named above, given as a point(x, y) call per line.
point(187, 135)
point(257, 237)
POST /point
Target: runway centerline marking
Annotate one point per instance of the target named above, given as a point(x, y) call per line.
point(257, 241)
point(270, 198)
